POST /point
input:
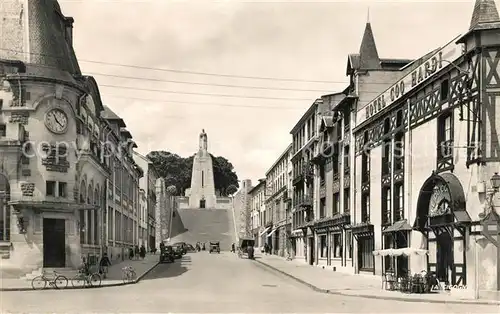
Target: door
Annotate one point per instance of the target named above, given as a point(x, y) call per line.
point(311, 250)
point(444, 258)
point(202, 204)
point(54, 242)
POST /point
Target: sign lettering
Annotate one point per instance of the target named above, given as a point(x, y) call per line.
point(431, 66)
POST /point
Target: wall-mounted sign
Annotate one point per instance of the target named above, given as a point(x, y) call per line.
point(432, 65)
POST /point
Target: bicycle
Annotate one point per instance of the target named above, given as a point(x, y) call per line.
point(128, 274)
point(58, 282)
point(84, 279)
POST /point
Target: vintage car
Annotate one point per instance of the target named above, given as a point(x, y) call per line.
point(167, 255)
point(178, 251)
point(183, 246)
point(214, 247)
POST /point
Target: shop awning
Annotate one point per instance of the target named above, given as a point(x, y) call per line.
point(402, 225)
point(271, 233)
point(265, 230)
point(407, 251)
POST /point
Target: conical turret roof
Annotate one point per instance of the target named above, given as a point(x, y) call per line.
point(485, 11)
point(368, 55)
point(34, 31)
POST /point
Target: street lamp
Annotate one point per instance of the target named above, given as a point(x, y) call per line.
point(495, 182)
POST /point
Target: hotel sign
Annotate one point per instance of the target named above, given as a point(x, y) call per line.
point(423, 72)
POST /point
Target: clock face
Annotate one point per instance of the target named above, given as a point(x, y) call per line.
point(56, 121)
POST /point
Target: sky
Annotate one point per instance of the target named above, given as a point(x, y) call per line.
point(299, 47)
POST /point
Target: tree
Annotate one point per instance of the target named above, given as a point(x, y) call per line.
point(177, 171)
point(231, 189)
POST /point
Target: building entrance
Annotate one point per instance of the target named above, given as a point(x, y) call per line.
point(202, 203)
point(54, 242)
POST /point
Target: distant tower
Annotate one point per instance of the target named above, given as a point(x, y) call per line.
point(202, 191)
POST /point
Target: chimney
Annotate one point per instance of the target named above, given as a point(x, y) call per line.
point(68, 30)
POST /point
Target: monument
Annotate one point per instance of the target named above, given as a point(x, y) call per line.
point(202, 191)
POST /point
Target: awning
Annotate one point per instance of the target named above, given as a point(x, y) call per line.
point(402, 225)
point(265, 230)
point(407, 251)
point(271, 233)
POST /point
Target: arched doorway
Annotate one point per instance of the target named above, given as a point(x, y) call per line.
point(443, 219)
point(4, 209)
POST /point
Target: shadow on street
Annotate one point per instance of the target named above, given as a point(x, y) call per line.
point(167, 270)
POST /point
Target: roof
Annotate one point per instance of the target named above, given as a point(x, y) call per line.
point(261, 183)
point(368, 54)
point(310, 111)
point(109, 115)
point(485, 11)
point(44, 33)
point(283, 154)
point(125, 133)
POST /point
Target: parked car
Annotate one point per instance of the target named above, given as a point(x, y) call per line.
point(183, 247)
point(167, 255)
point(178, 250)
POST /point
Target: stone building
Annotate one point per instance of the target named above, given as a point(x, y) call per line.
point(278, 204)
point(257, 208)
point(433, 194)
point(53, 171)
point(149, 184)
point(241, 210)
point(143, 221)
point(122, 202)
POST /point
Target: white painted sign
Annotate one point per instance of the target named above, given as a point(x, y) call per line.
point(431, 66)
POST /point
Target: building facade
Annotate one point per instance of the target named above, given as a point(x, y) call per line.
point(433, 194)
point(257, 208)
point(242, 210)
point(53, 172)
point(143, 222)
point(278, 204)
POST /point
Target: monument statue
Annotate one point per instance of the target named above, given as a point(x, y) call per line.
point(203, 141)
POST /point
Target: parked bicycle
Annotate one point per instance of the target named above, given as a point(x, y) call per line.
point(86, 280)
point(58, 281)
point(128, 274)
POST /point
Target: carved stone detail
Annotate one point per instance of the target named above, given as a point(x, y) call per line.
point(21, 118)
point(27, 189)
point(55, 158)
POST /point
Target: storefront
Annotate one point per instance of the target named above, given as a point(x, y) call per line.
point(298, 244)
point(365, 245)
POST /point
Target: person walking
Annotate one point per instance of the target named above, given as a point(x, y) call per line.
point(142, 251)
point(103, 265)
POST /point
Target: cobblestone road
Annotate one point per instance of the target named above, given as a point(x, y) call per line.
point(212, 283)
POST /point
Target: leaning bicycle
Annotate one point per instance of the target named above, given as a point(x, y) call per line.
point(128, 274)
point(82, 279)
point(58, 281)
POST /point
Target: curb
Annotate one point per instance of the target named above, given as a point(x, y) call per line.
point(367, 296)
point(86, 287)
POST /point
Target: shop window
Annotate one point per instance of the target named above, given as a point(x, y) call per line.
point(348, 244)
point(62, 189)
point(337, 245)
point(50, 188)
point(366, 245)
point(389, 260)
point(323, 247)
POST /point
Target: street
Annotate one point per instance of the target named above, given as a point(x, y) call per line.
point(210, 283)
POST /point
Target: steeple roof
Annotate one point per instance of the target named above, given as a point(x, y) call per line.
point(485, 11)
point(44, 32)
point(368, 55)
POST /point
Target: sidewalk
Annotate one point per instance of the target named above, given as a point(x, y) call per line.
point(365, 286)
point(114, 277)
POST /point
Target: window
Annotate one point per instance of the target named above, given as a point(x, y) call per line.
point(366, 246)
point(336, 203)
point(398, 202)
point(348, 244)
point(347, 206)
point(25, 160)
point(63, 189)
point(346, 157)
point(81, 226)
point(399, 153)
point(445, 85)
point(3, 130)
point(50, 188)
point(445, 135)
point(365, 161)
point(337, 245)
point(323, 247)
point(386, 205)
point(386, 158)
point(322, 208)
point(365, 207)
point(399, 118)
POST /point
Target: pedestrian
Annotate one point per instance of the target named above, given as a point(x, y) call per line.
point(266, 248)
point(136, 251)
point(232, 248)
point(104, 264)
point(130, 253)
point(143, 251)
